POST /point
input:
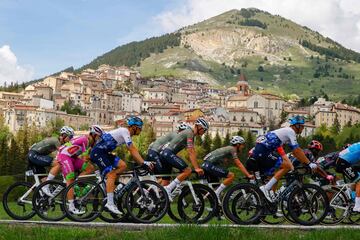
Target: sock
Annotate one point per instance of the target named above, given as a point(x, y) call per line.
point(110, 198)
point(50, 177)
point(357, 202)
point(71, 203)
point(220, 189)
point(173, 184)
point(271, 183)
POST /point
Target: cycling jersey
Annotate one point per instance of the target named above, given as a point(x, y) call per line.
point(160, 142)
point(222, 157)
point(69, 159)
point(46, 146)
point(101, 153)
point(274, 139)
point(328, 161)
point(351, 154)
point(180, 141)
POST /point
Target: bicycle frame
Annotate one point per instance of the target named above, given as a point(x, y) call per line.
point(37, 183)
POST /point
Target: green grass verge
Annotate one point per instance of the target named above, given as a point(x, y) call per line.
point(183, 232)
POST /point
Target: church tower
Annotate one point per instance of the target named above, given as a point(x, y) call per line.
point(243, 86)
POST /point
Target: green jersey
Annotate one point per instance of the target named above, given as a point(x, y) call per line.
point(222, 157)
point(46, 146)
point(181, 140)
point(160, 142)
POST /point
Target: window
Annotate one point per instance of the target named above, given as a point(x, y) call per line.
point(276, 106)
point(256, 104)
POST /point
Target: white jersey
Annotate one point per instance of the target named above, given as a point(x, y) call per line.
point(121, 136)
point(287, 136)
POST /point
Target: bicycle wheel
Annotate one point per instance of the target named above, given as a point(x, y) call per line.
point(199, 208)
point(308, 205)
point(242, 204)
point(17, 201)
point(49, 208)
point(149, 204)
point(276, 217)
point(338, 206)
point(88, 198)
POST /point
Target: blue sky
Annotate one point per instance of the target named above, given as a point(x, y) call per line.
point(40, 37)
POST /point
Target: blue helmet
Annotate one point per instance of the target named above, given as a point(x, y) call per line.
point(133, 120)
point(297, 120)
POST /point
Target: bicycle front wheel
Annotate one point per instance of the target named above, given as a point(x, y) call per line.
point(17, 201)
point(147, 203)
point(49, 207)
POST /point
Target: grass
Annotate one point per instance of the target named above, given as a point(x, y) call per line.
point(183, 232)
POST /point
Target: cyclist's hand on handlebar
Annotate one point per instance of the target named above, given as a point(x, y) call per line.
point(149, 165)
point(199, 171)
point(251, 176)
point(313, 166)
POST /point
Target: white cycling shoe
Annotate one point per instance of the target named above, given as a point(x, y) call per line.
point(112, 208)
point(356, 209)
point(168, 193)
point(268, 194)
point(45, 189)
point(76, 211)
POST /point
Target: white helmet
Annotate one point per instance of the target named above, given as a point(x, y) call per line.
point(183, 126)
point(237, 140)
point(68, 131)
point(96, 129)
point(203, 123)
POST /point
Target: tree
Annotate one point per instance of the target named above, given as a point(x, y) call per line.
point(207, 143)
point(335, 128)
point(216, 142)
point(226, 140)
point(260, 68)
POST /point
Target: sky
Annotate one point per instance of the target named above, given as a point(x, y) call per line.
point(41, 37)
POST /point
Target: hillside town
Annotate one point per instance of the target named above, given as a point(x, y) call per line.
point(109, 94)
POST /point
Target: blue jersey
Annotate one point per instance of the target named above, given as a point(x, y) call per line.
point(351, 154)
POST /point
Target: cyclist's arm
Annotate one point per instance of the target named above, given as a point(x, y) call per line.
point(242, 168)
point(135, 154)
point(300, 155)
point(192, 156)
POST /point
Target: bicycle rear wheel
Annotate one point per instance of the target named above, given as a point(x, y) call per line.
point(148, 204)
point(50, 208)
point(338, 206)
point(17, 201)
point(200, 208)
point(308, 205)
point(242, 204)
point(88, 198)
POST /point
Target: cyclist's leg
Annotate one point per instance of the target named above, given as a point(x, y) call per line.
point(176, 162)
point(218, 172)
point(154, 157)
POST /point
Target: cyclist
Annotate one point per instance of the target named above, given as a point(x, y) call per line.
point(155, 149)
point(216, 163)
point(169, 159)
point(312, 153)
point(74, 157)
point(345, 164)
point(39, 155)
point(111, 165)
point(264, 157)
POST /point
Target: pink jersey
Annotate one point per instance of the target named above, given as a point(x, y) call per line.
point(77, 146)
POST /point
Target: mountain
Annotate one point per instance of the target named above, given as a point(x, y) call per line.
point(275, 54)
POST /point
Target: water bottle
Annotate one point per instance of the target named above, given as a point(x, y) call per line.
point(353, 196)
point(77, 191)
point(86, 189)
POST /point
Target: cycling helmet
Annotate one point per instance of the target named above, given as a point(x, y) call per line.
point(183, 126)
point(237, 140)
point(203, 123)
point(297, 120)
point(68, 131)
point(133, 120)
point(96, 129)
point(315, 145)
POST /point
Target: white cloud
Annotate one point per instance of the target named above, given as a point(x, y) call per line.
point(10, 71)
point(337, 19)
